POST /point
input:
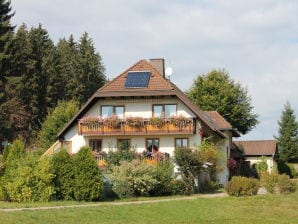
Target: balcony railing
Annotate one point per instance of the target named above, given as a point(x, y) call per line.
point(136, 126)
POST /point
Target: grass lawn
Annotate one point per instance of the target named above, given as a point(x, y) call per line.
point(257, 209)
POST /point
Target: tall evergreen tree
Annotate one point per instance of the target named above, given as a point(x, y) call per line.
point(6, 32)
point(36, 77)
point(68, 66)
point(288, 135)
point(91, 74)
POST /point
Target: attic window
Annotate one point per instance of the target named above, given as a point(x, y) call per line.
point(137, 79)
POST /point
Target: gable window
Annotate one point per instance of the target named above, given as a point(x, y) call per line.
point(95, 144)
point(107, 111)
point(181, 143)
point(166, 110)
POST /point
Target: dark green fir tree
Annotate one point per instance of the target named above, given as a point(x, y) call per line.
point(288, 135)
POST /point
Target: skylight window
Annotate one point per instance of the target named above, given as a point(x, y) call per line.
point(137, 79)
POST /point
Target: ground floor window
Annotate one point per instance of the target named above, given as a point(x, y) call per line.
point(95, 144)
point(181, 143)
point(152, 145)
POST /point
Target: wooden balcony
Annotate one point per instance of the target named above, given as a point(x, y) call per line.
point(146, 127)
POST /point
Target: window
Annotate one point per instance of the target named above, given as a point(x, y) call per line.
point(107, 111)
point(181, 143)
point(123, 144)
point(152, 143)
point(167, 110)
point(95, 144)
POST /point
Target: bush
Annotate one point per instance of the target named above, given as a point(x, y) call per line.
point(29, 179)
point(180, 187)
point(242, 186)
point(189, 164)
point(275, 183)
point(285, 185)
point(284, 168)
point(133, 178)
point(262, 166)
point(64, 175)
point(88, 183)
point(163, 173)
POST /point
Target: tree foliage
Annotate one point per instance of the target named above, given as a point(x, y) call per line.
point(88, 185)
point(55, 121)
point(288, 134)
point(217, 91)
point(64, 175)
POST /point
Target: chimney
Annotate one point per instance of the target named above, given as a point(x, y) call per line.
point(159, 65)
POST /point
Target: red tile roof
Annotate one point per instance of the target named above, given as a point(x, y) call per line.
point(257, 148)
point(220, 121)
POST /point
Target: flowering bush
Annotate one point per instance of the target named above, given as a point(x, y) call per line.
point(231, 164)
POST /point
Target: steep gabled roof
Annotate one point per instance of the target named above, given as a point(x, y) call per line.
point(157, 86)
point(257, 148)
point(221, 122)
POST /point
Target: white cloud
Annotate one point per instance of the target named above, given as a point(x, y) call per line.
point(256, 41)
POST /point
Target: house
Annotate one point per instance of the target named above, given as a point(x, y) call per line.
point(255, 151)
point(145, 109)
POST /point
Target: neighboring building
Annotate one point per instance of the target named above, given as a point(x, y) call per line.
point(143, 108)
point(255, 151)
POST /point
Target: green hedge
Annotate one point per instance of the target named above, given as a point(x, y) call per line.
point(242, 186)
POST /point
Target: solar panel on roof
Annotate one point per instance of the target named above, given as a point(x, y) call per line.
point(137, 79)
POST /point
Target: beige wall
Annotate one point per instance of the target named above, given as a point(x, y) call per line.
point(257, 159)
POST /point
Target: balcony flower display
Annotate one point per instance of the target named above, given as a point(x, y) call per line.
point(179, 121)
point(112, 122)
point(90, 120)
point(135, 122)
point(157, 122)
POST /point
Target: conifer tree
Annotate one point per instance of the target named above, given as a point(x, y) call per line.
point(91, 74)
point(6, 32)
point(288, 135)
point(36, 78)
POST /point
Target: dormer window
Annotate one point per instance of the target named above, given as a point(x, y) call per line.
point(137, 79)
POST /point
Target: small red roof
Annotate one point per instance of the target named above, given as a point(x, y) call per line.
point(257, 148)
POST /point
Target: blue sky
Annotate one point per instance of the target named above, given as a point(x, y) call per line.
point(256, 41)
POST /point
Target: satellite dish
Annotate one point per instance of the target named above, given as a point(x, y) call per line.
point(169, 71)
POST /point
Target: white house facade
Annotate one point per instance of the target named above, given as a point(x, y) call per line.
point(142, 107)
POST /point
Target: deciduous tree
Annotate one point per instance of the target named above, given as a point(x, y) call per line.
point(217, 91)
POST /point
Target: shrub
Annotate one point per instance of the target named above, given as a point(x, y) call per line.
point(189, 164)
point(262, 166)
point(269, 181)
point(88, 184)
point(283, 168)
point(133, 178)
point(30, 179)
point(123, 153)
point(163, 173)
point(285, 185)
point(64, 175)
point(242, 186)
point(180, 187)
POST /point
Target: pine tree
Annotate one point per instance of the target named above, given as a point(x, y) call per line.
point(288, 135)
point(91, 74)
point(34, 84)
point(68, 66)
point(6, 33)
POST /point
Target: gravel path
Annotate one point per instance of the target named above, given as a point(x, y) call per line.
point(98, 204)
